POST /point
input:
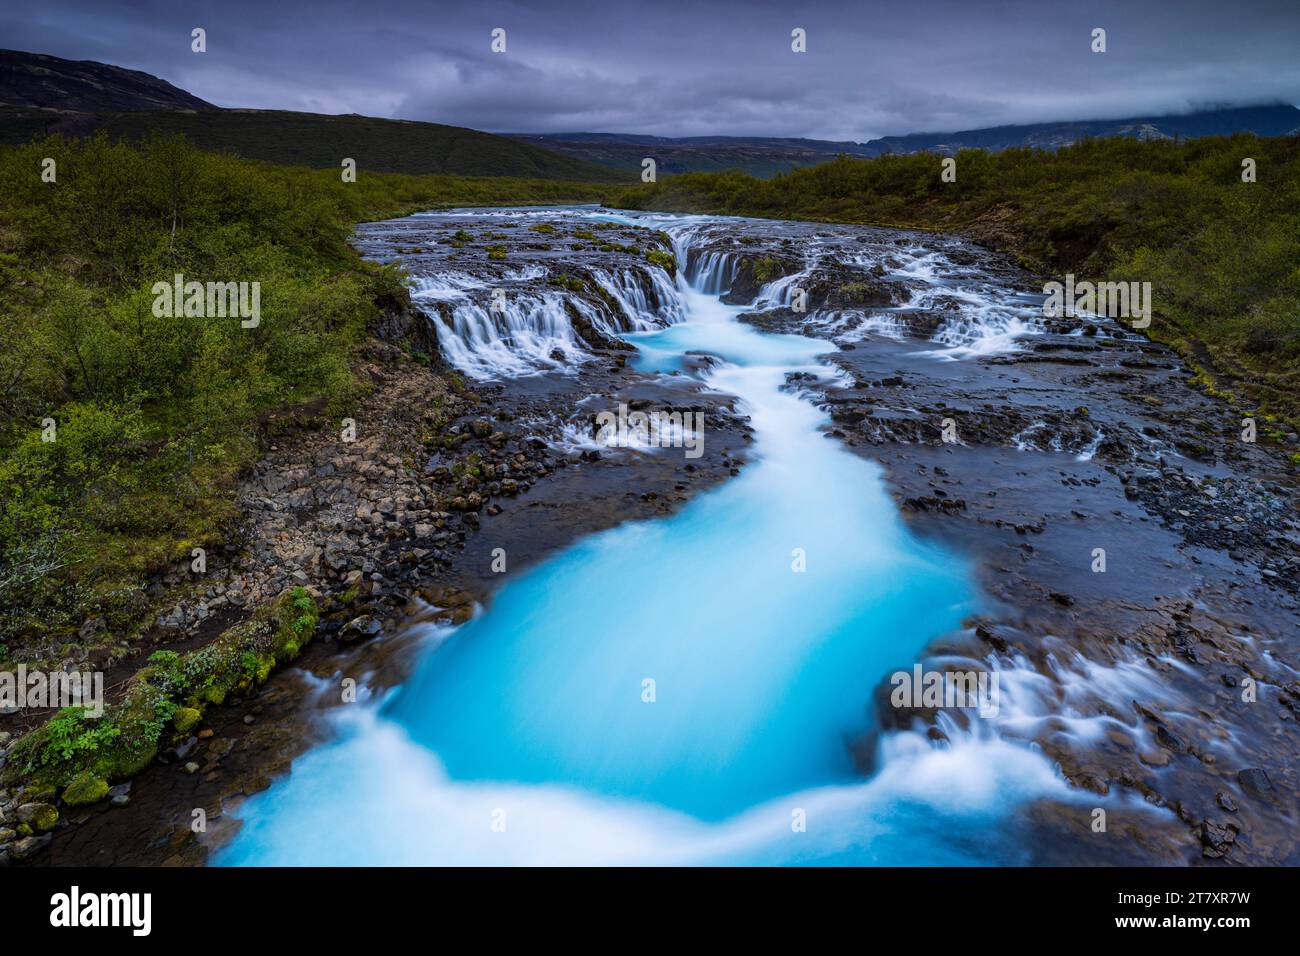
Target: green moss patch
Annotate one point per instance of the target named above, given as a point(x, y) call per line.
point(664, 260)
point(78, 753)
point(85, 788)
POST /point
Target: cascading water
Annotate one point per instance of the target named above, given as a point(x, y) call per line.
point(680, 690)
point(641, 310)
point(710, 272)
point(499, 325)
point(530, 333)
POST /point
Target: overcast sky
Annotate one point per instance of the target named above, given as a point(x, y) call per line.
point(693, 67)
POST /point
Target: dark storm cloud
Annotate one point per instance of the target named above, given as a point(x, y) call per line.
point(675, 68)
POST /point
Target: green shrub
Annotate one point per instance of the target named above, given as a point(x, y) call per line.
point(156, 416)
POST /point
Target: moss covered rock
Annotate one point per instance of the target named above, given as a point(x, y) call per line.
point(85, 788)
point(169, 692)
point(39, 816)
point(665, 260)
point(185, 718)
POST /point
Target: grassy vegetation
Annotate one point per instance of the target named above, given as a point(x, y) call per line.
point(152, 418)
point(322, 142)
point(1223, 255)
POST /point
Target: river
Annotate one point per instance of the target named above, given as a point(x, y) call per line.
point(676, 691)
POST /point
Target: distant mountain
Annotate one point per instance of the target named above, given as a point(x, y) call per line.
point(84, 86)
point(758, 155)
point(1276, 120)
point(45, 94)
point(766, 156)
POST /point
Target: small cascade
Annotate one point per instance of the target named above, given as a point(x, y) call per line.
point(530, 334)
point(779, 293)
point(446, 286)
point(981, 320)
point(526, 331)
point(712, 272)
point(644, 309)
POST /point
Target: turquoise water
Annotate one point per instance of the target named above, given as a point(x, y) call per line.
point(760, 671)
point(679, 690)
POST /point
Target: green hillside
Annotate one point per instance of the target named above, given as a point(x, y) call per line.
point(321, 142)
point(156, 416)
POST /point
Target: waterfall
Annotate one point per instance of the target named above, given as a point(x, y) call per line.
point(530, 334)
point(643, 311)
point(524, 332)
point(779, 293)
point(711, 272)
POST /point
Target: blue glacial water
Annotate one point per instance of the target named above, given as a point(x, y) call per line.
point(526, 736)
